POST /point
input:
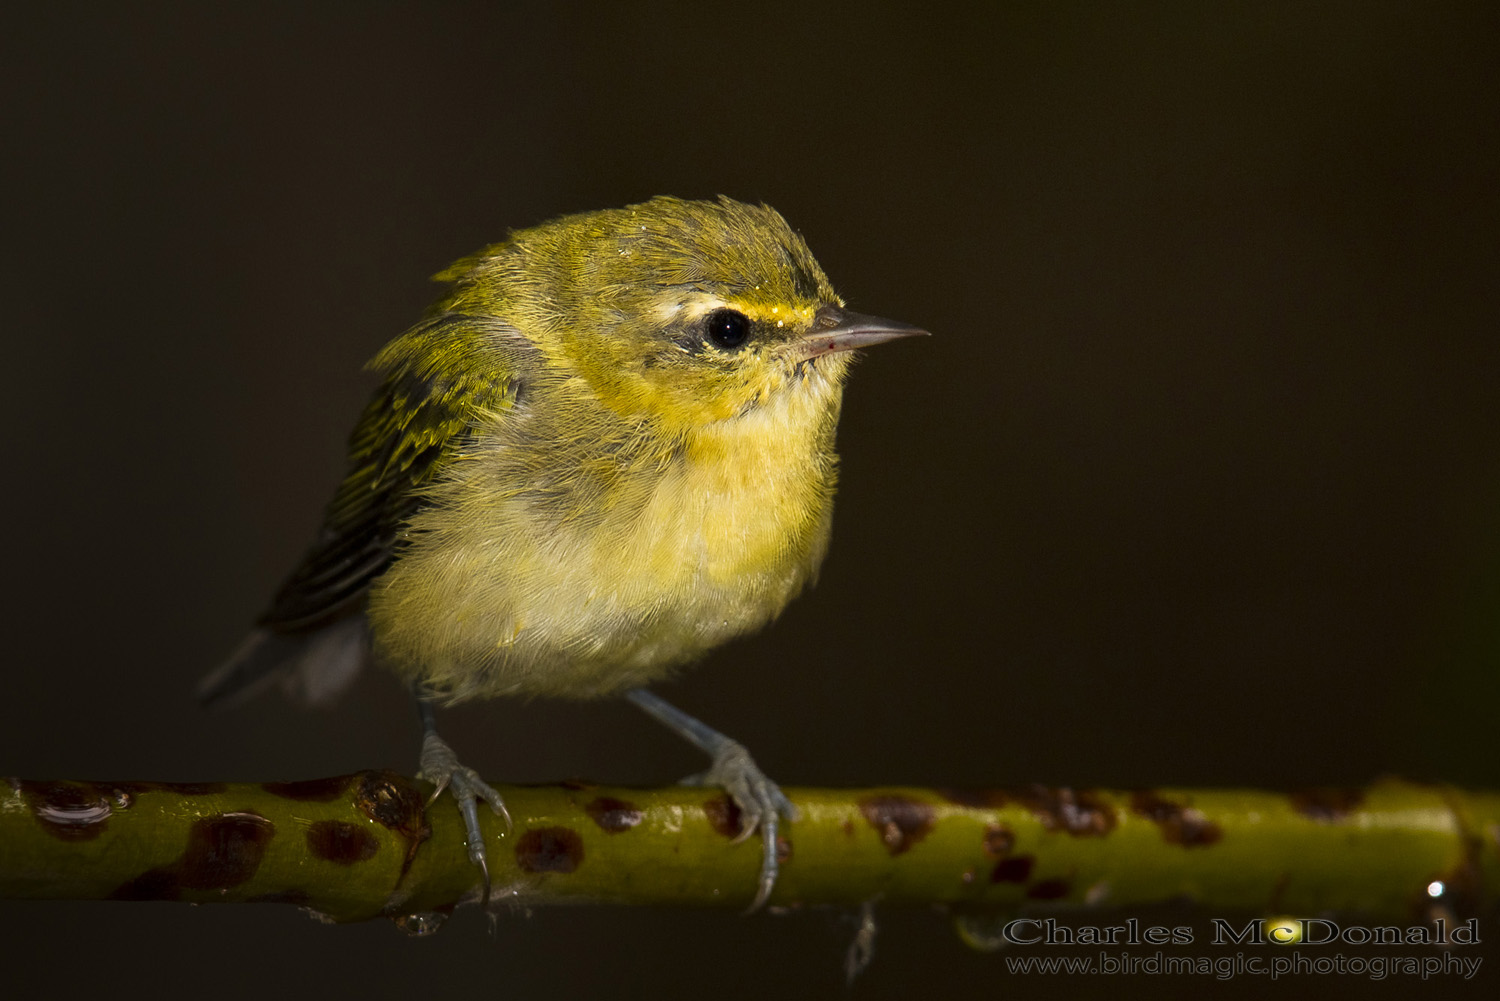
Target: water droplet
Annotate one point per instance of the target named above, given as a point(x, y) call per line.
point(982, 931)
point(422, 924)
point(862, 947)
point(74, 809)
point(1436, 888)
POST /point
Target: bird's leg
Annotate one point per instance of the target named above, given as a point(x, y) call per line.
point(440, 766)
point(760, 801)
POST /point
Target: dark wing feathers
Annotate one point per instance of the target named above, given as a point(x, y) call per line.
point(439, 376)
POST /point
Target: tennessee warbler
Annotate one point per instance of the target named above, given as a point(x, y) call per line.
point(606, 450)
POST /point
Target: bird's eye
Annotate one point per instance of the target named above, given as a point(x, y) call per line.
point(727, 328)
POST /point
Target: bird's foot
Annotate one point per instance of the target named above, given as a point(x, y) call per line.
point(440, 766)
point(761, 804)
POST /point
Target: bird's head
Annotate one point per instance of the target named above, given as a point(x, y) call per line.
point(681, 312)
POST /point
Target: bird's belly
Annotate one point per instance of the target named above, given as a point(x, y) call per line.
point(519, 601)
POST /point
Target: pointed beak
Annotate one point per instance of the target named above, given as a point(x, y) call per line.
point(837, 329)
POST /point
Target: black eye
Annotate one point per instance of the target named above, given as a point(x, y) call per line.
point(728, 328)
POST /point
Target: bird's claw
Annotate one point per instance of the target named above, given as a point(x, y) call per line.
point(761, 803)
point(441, 767)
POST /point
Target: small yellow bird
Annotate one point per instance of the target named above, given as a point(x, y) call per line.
point(606, 450)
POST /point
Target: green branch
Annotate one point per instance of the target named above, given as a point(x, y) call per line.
point(362, 846)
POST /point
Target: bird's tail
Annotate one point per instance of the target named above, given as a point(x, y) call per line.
point(313, 668)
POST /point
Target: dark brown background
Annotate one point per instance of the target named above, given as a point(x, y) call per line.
point(1197, 483)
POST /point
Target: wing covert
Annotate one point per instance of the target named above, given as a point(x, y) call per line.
point(440, 376)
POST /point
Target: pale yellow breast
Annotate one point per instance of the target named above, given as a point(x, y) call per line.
point(503, 592)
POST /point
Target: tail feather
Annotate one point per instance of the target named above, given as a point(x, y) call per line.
point(313, 668)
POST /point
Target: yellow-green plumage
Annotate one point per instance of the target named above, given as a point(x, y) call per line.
point(641, 501)
point(563, 487)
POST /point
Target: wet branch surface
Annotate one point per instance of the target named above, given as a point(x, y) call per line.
point(361, 846)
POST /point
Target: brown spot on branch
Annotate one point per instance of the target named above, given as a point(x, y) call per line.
point(723, 816)
point(1180, 823)
point(342, 842)
point(1325, 804)
point(550, 849)
point(1081, 813)
point(613, 816)
point(998, 840)
point(222, 852)
point(900, 820)
point(310, 790)
point(1013, 870)
point(1049, 889)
